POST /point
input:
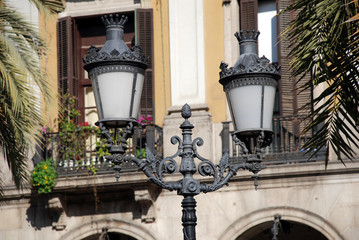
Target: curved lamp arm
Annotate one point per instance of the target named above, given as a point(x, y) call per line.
point(155, 168)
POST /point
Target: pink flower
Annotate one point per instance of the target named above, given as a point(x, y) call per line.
point(145, 120)
point(149, 118)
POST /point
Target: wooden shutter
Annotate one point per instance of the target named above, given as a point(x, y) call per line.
point(66, 51)
point(291, 100)
point(144, 38)
point(249, 14)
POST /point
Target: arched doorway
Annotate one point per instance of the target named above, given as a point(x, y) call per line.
point(247, 227)
point(289, 230)
point(116, 229)
point(105, 235)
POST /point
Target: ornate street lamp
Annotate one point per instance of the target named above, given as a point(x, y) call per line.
point(250, 87)
point(116, 64)
point(116, 67)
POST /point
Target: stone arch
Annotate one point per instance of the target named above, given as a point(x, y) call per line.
point(288, 213)
point(113, 225)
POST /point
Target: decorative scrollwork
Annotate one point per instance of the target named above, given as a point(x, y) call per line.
point(223, 164)
point(170, 167)
point(175, 140)
point(105, 133)
point(199, 142)
point(167, 165)
point(127, 133)
point(207, 168)
point(242, 144)
point(154, 168)
point(150, 160)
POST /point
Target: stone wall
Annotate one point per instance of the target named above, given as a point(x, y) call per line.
point(80, 207)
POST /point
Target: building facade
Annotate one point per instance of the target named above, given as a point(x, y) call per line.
point(185, 41)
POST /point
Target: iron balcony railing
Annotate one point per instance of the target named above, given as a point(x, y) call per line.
point(91, 155)
point(287, 144)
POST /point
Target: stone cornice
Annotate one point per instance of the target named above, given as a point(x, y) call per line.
point(288, 174)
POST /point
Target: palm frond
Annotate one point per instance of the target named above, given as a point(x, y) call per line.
point(323, 44)
point(49, 6)
point(22, 83)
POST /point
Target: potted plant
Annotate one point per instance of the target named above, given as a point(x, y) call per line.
point(44, 176)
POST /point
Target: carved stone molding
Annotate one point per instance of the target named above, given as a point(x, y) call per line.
point(57, 213)
point(146, 197)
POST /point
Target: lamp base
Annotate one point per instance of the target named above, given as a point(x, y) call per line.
point(117, 123)
point(250, 138)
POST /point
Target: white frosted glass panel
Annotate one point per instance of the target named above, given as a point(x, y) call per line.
point(137, 96)
point(246, 105)
point(115, 90)
point(269, 95)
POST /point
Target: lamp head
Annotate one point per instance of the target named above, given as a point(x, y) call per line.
point(117, 75)
point(250, 86)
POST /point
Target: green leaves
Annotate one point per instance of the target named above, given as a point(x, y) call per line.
point(23, 86)
point(324, 45)
point(49, 6)
point(73, 137)
point(43, 177)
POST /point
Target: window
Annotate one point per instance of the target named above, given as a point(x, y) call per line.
point(76, 35)
point(261, 15)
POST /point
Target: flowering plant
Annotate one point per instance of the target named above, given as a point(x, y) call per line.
point(44, 175)
point(46, 130)
point(73, 136)
point(145, 120)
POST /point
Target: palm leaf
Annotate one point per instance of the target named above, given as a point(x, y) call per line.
point(23, 86)
point(324, 44)
point(49, 6)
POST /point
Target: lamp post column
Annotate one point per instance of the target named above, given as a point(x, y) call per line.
point(189, 218)
point(190, 187)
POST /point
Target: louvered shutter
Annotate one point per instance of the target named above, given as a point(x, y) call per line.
point(291, 100)
point(66, 51)
point(285, 84)
point(144, 38)
point(249, 14)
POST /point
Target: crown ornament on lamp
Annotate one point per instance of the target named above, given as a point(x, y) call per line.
point(115, 20)
point(247, 36)
point(115, 48)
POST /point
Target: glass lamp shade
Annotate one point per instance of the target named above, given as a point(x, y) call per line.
point(117, 90)
point(251, 104)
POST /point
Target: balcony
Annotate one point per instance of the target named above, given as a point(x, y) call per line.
point(287, 144)
point(286, 148)
point(89, 154)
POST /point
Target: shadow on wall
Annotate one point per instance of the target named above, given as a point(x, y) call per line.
point(53, 209)
point(37, 214)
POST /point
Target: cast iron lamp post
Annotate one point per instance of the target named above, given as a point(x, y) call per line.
point(117, 74)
